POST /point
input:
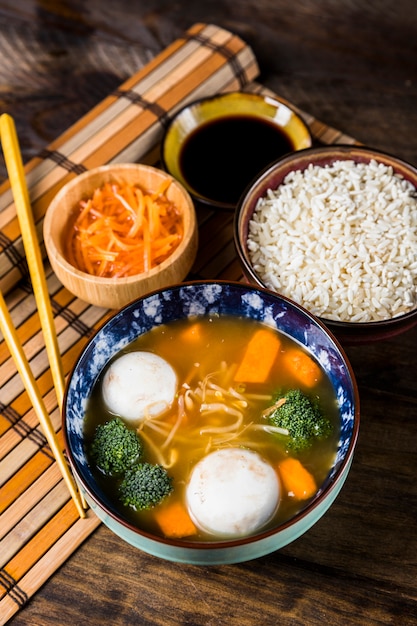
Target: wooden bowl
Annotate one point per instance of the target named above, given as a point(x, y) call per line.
point(114, 293)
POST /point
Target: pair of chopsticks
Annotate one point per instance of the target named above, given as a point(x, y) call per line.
point(17, 179)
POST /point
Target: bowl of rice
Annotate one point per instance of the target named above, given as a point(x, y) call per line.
point(334, 228)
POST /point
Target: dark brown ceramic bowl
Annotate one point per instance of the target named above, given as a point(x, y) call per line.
point(271, 178)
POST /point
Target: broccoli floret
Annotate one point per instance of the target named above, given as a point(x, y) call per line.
point(301, 417)
point(144, 486)
point(115, 447)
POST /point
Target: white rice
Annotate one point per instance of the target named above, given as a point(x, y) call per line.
point(341, 240)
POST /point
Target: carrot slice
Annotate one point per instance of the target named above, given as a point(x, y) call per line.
point(260, 355)
point(174, 520)
point(192, 334)
point(296, 479)
point(302, 367)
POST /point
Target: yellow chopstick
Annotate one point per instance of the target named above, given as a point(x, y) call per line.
point(12, 340)
point(17, 179)
point(14, 165)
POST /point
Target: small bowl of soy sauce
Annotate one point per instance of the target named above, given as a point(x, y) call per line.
point(216, 146)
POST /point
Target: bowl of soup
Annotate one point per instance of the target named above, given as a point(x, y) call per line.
point(335, 229)
point(203, 379)
point(118, 231)
point(215, 146)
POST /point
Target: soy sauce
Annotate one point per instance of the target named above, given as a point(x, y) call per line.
point(220, 158)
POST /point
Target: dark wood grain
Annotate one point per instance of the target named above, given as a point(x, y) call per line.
point(353, 65)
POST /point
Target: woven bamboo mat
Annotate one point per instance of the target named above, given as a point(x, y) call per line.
point(39, 524)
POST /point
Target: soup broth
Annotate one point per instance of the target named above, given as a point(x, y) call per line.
point(216, 408)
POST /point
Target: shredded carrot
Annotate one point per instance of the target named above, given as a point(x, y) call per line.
point(296, 479)
point(302, 367)
point(123, 230)
point(261, 352)
point(174, 520)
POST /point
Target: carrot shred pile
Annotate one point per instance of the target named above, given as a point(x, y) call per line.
point(123, 230)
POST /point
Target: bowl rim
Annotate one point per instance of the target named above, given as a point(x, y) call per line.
point(115, 281)
point(248, 96)
point(342, 151)
point(321, 495)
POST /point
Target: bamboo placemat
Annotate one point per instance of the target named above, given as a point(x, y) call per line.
point(39, 524)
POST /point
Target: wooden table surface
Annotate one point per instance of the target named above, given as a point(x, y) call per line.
point(353, 65)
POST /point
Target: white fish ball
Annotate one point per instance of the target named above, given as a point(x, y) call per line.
point(232, 492)
point(139, 384)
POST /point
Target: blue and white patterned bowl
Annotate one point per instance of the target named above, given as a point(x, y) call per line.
point(199, 298)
